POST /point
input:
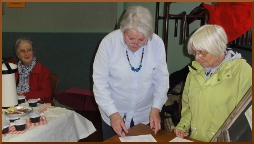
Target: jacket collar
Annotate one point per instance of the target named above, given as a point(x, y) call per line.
point(223, 73)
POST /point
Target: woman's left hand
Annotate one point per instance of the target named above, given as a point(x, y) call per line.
point(155, 120)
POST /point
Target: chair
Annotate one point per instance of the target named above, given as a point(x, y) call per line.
point(54, 78)
point(171, 110)
point(183, 17)
point(245, 39)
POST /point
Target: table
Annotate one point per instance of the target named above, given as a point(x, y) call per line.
point(141, 129)
point(62, 125)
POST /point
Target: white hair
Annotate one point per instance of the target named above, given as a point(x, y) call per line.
point(211, 38)
point(139, 19)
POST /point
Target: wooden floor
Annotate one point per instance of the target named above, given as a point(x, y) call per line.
point(95, 118)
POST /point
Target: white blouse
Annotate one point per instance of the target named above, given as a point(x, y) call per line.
point(119, 89)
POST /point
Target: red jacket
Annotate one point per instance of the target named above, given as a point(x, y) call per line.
point(39, 83)
point(234, 17)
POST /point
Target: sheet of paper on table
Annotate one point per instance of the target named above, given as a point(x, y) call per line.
point(248, 115)
point(139, 138)
point(177, 139)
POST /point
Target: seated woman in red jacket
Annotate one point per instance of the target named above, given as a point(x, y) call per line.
point(32, 78)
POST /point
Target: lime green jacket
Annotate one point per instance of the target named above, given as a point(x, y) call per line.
point(207, 104)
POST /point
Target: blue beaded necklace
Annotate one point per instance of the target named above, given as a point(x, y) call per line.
point(140, 65)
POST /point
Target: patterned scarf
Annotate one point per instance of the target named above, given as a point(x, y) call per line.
point(24, 72)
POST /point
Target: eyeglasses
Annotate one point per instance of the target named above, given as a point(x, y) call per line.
point(24, 51)
point(132, 44)
point(131, 41)
point(199, 53)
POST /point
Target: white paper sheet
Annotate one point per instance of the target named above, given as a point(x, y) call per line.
point(248, 115)
point(139, 138)
point(177, 139)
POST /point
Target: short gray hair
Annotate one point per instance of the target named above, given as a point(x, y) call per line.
point(21, 41)
point(209, 37)
point(139, 19)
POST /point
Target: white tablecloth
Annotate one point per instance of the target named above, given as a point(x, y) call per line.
point(63, 125)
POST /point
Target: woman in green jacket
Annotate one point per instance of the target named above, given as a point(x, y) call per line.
point(218, 79)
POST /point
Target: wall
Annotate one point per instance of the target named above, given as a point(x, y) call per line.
point(70, 55)
point(66, 35)
point(60, 17)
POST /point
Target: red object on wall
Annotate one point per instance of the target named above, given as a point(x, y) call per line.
point(15, 4)
point(78, 99)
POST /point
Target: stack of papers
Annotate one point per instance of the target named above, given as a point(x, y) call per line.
point(140, 138)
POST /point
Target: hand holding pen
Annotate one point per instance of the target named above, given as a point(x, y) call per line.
point(118, 125)
point(124, 117)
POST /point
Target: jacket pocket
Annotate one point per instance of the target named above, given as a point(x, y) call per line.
point(193, 133)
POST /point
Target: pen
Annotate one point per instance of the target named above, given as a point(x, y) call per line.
point(124, 117)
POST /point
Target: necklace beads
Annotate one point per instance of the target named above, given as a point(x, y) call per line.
point(140, 65)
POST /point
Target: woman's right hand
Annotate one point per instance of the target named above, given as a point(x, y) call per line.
point(117, 124)
point(180, 133)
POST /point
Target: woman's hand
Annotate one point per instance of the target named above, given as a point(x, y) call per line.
point(117, 124)
point(155, 120)
point(180, 133)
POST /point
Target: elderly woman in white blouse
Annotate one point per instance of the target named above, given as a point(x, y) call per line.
point(130, 75)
